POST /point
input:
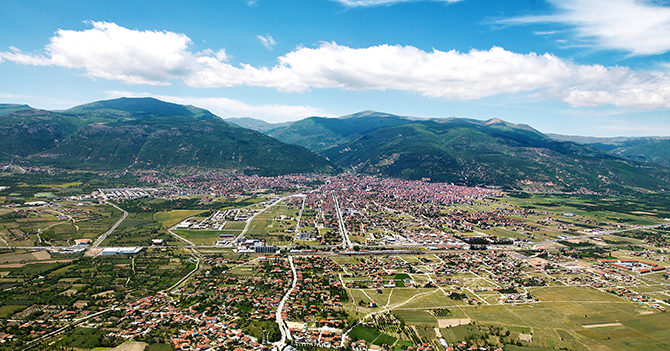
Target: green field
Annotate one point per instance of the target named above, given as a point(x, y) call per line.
point(416, 317)
point(200, 237)
point(169, 218)
point(8, 310)
point(371, 336)
point(459, 333)
point(160, 347)
point(556, 322)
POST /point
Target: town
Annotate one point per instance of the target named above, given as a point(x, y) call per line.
point(236, 262)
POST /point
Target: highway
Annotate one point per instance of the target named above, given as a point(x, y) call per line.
point(410, 249)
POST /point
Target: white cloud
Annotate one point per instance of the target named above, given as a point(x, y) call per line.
point(450, 75)
point(225, 107)
point(267, 41)
point(113, 52)
point(159, 58)
point(640, 27)
point(369, 3)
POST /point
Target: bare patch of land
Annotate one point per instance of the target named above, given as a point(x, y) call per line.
point(454, 322)
point(602, 325)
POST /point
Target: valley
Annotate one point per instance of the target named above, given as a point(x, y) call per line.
point(136, 224)
point(328, 262)
point(335, 175)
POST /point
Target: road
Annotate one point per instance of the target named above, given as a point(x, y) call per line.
point(104, 236)
point(285, 333)
point(74, 222)
point(346, 243)
point(78, 321)
point(198, 259)
point(188, 242)
point(297, 225)
point(246, 227)
point(37, 341)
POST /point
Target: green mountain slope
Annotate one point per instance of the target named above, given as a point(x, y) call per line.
point(468, 151)
point(257, 124)
point(10, 108)
point(25, 131)
point(645, 149)
point(147, 133)
point(319, 133)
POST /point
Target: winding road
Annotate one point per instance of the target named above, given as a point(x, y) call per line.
point(285, 333)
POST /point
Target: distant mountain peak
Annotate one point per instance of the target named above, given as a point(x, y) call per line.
point(3, 106)
point(368, 113)
point(258, 125)
point(145, 133)
point(495, 121)
point(10, 108)
point(139, 105)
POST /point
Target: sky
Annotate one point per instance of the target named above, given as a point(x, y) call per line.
point(577, 67)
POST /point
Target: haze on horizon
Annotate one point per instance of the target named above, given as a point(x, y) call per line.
point(598, 68)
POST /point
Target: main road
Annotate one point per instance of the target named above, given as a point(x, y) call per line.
point(246, 227)
point(297, 225)
point(104, 236)
point(346, 243)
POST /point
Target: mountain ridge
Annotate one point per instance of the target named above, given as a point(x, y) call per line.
point(139, 133)
point(146, 133)
point(258, 125)
point(467, 151)
point(655, 149)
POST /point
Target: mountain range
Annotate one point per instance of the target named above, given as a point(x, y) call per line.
point(467, 151)
point(145, 133)
point(257, 124)
point(646, 149)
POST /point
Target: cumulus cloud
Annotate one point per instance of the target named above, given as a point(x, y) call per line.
point(113, 52)
point(226, 107)
point(450, 75)
point(369, 3)
point(267, 41)
point(639, 27)
point(159, 58)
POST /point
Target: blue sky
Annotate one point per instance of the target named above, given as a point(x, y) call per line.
point(598, 67)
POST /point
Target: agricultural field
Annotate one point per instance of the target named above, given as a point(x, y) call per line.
point(276, 225)
point(200, 237)
point(547, 315)
point(74, 285)
point(167, 219)
point(55, 226)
